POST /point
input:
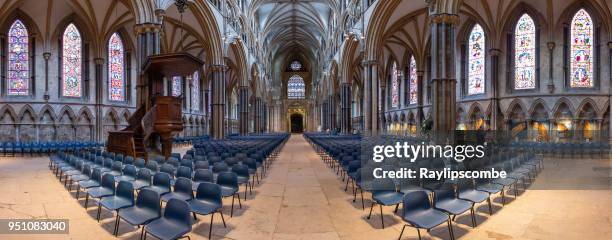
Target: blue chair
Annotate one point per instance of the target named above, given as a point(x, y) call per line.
point(106, 188)
point(152, 165)
point(85, 175)
point(201, 165)
point(182, 171)
point(446, 201)
point(93, 181)
point(143, 179)
point(161, 183)
point(242, 171)
point(129, 174)
point(200, 176)
point(174, 224)
point(207, 201)
point(147, 208)
point(182, 190)
point(139, 163)
point(228, 181)
point(116, 169)
point(417, 211)
point(466, 191)
point(124, 197)
point(384, 194)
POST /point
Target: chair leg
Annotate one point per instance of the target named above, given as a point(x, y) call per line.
point(143, 233)
point(239, 201)
point(490, 207)
point(232, 211)
point(473, 216)
point(382, 221)
point(99, 210)
point(194, 216)
point(86, 200)
point(211, 225)
point(223, 219)
point(117, 224)
point(372, 207)
point(419, 233)
point(402, 232)
point(362, 203)
point(450, 229)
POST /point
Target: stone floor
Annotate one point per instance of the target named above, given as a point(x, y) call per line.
point(301, 198)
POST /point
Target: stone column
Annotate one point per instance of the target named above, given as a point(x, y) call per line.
point(610, 92)
point(443, 73)
point(494, 120)
point(46, 56)
point(420, 116)
point(345, 98)
point(147, 43)
point(325, 115)
point(207, 117)
point(218, 101)
point(370, 95)
point(257, 114)
point(382, 97)
point(551, 82)
point(99, 98)
point(243, 96)
point(332, 111)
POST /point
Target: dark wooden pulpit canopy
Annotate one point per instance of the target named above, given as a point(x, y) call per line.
point(159, 114)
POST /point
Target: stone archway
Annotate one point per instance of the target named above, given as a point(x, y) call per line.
point(296, 123)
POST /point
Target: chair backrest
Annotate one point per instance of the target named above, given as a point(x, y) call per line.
point(152, 165)
point(228, 179)
point(178, 211)
point(125, 190)
point(383, 184)
point(129, 170)
point(203, 175)
point(108, 181)
point(183, 171)
point(415, 201)
point(445, 192)
point(144, 174)
point(149, 199)
point(161, 179)
point(220, 167)
point(117, 166)
point(183, 185)
point(241, 170)
point(128, 160)
point(201, 165)
point(187, 162)
point(167, 168)
point(139, 163)
point(96, 175)
point(209, 191)
point(108, 162)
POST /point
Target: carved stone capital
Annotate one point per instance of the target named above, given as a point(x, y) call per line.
point(550, 45)
point(147, 27)
point(99, 61)
point(366, 63)
point(495, 51)
point(47, 55)
point(446, 18)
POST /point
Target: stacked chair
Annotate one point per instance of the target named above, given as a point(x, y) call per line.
point(428, 203)
point(189, 184)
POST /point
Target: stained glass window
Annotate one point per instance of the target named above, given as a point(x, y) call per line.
point(413, 81)
point(71, 62)
point(476, 61)
point(177, 86)
point(195, 91)
point(524, 53)
point(394, 85)
point(18, 62)
point(581, 63)
point(296, 66)
point(116, 68)
point(296, 89)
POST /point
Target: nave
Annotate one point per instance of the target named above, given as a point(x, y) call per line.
point(302, 198)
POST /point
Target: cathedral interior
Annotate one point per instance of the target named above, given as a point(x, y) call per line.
point(286, 89)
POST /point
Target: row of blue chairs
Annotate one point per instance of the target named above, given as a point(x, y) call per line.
point(585, 149)
point(39, 148)
point(426, 203)
point(113, 178)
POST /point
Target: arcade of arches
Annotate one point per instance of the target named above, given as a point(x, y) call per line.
point(540, 70)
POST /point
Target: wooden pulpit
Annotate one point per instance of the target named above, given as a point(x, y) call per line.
point(160, 113)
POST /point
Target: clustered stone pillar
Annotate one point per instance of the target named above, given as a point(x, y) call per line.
point(325, 115)
point(99, 96)
point(443, 72)
point(332, 112)
point(610, 98)
point(218, 101)
point(370, 94)
point(243, 95)
point(257, 115)
point(494, 121)
point(147, 37)
point(345, 98)
point(420, 117)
